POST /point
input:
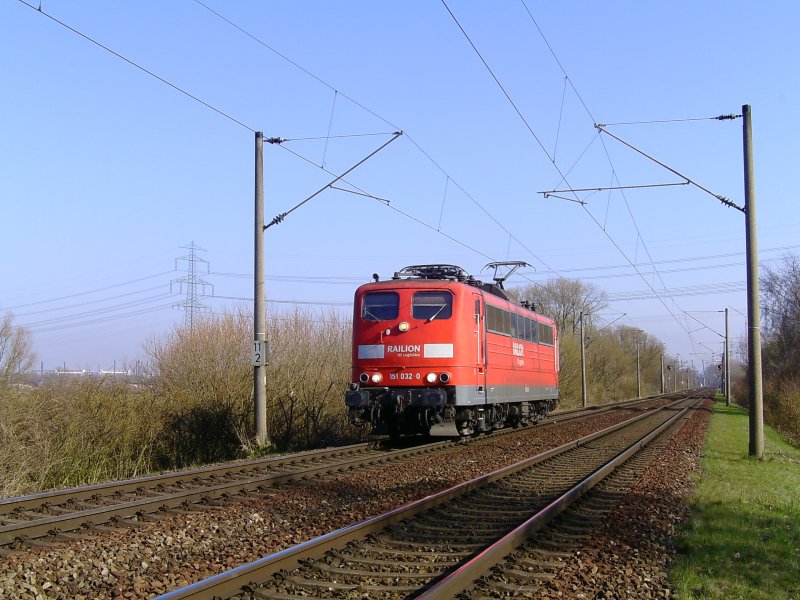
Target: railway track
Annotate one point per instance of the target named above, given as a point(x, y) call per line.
point(39, 519)
point(528, 570)
point(435, 547)
point(521, 563)
point(48, 517)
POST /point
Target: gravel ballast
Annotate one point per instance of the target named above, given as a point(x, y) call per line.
point(171, 552)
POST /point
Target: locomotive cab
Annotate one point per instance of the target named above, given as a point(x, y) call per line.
point(434, 345)
point(407, 356)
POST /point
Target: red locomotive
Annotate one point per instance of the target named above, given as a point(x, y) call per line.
point(435, 345)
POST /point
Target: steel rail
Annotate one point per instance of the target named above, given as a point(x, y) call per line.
point(462, 578)
point(90, 491)
point(230, 582)
point(566, 415)
point(8, 505)
point(23, 530)
point(27, 526)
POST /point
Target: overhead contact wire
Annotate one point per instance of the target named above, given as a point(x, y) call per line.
point(293, 63)
point(500, 85)
point(538, 141)
point(608, 156)
point(138, 66)
point(376, 115)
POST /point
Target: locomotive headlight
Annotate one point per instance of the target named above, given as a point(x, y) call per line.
point(430, 377)
point(444, 377)
point(376, 378)
point(403, 326)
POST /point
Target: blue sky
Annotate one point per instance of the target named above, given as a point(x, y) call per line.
point(107, 172)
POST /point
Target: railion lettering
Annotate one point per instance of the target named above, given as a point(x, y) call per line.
point(405, 349)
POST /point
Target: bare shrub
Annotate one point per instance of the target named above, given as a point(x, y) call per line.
point(782, 407)
point(610, 365)
point(608, 371)
point(202, 379)
point(569, 377)
point(196, 408)
point(780, 288)
point(73, 432)
point(308, 373)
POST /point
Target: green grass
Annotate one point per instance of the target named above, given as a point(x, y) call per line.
point(743, 539)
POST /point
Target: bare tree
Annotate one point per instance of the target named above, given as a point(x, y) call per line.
point(563, 300)
point(780, 293)
point(16, 356)
point(780, 289)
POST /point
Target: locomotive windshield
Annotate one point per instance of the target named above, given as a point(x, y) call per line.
point(432, 305)
point(380, 306)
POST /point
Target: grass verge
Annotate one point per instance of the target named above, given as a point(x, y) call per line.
point(743, 539)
